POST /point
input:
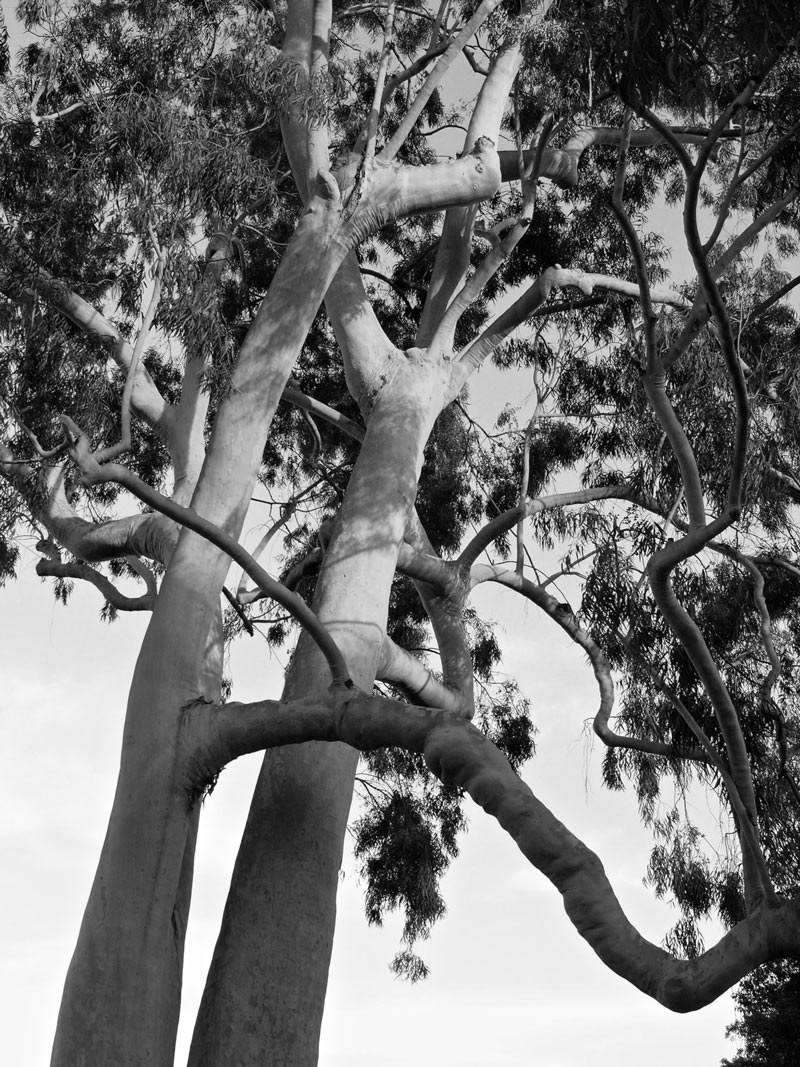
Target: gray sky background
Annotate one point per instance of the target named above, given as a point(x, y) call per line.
point(512, 984)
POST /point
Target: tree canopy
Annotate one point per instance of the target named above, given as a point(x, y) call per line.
point(768, 1005)
point(249, 269)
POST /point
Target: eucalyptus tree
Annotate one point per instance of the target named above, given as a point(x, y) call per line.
point(183, 187)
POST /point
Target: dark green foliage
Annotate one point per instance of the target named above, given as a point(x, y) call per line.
point(409, 833)
point(768, 1023)
point(403, 857)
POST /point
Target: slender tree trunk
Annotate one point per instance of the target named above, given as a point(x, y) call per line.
point(264, 999)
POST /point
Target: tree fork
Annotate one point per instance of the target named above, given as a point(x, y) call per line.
point(274, 947)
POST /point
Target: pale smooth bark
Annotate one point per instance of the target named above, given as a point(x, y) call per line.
point(265, 994)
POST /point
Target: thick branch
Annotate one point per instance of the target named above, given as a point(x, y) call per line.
point(401, 668)
point(458, 754)
point(393, 191)
point(364, 345)
point(560, 165)
point(151, 536)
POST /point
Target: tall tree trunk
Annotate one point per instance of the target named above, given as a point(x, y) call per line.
point(122, 994)
point(264, 999)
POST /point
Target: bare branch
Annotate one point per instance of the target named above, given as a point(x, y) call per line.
point(363, 342)
point(412, 70)
point(659, 571)
point(366, 140)
point(438, 320)
point(560, 165)
point(319, 44)
point(395, 191)
point(768, 302)
point(635, 246)
point(491, 263)
point(316, 407)
point(124, 443)
point(566, 620)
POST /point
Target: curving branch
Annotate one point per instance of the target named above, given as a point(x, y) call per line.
point(708, 284)
point(439, 318)
point(460, 755)
point(635, 246)
point(409, 674)
point(686, 630)
point(537, 294)
point(51, 568)
point(565, 619)
point(42, 489)
point(509, 519)
point(701, 310)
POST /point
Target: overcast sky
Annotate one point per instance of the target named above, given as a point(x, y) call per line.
point(511, 982)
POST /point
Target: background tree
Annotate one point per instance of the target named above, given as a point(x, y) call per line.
point(768, 1026)
point(137, 137)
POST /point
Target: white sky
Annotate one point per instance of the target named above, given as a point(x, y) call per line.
point(512, 984)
